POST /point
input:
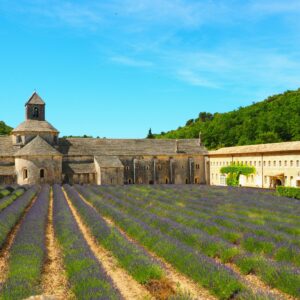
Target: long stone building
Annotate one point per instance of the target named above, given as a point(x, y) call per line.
point(34, 153)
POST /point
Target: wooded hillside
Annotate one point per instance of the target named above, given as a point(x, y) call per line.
point(275, 119)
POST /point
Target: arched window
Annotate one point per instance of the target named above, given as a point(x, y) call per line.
point(25, 173)
point(19, 140)
point(196, 180)
point(36, 112)
point(42, 173)
point(129, 181)
point(186, 181)
point(167, 180)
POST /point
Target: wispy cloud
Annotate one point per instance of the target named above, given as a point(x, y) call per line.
point(132, 62)
point(192, 78)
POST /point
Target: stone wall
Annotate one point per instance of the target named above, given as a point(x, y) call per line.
point(52, 167)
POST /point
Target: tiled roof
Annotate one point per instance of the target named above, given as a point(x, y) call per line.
point(261, 148)
point(6, 146)
point(108, 161)
point(37, 147)
point(35, 99)
point(7, 170)
point(100, 147)
point(35, 126)
point(79, 168)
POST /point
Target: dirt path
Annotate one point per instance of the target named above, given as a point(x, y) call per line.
point(256, 284)
point(5, 251)
point(128, 287)
point(54, 279)
point(181, 283)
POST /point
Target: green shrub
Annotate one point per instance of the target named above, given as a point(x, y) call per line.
point(290, 192)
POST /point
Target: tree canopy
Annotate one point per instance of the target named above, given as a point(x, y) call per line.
point(4, 129)
point(275, 119)
point(235, 171)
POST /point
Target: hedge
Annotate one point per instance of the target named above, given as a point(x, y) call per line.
point(291, 192)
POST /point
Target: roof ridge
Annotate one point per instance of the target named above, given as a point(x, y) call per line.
point(37, 146)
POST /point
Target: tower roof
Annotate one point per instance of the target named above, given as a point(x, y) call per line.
point(35, 126)
point(35, 99)
point(37, 147)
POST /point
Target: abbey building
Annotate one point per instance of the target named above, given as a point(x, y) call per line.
point(34, 153)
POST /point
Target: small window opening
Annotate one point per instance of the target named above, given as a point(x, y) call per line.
point(186, 181)
point(19, 140)
point(129, 181)
point(167, 180)
point(35, 112)
point(42, 173)
point(25, 174)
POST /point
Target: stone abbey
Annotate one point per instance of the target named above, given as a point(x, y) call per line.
point(34, 153)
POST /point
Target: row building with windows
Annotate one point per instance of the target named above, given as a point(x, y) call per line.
point(34, 153)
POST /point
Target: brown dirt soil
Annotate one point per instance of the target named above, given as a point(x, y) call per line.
point(160, 289)
point(127, 286)
point(5, 251)
point(54, 279)
point(176, 281)
point(256, 284)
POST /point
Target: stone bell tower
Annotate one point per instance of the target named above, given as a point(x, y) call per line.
point(35, 108)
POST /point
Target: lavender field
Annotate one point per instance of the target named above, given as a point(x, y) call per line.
point(149, 242)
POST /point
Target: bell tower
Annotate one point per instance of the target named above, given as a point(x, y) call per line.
point(35, 108)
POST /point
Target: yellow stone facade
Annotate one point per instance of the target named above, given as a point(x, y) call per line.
point(275, 164)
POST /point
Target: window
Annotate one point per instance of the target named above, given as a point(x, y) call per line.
point(25, 174)
point(291, 163)
point(159, 167)
point(167, 180)
point(259, 163)
point(266, 179)
point(196, 180)
point(186, 181)
point(285, 163)
point(42, 173)
point(297, 163)
point(19, 140)
point(35, 112)
point(280, 163)
point(250, 163)
point(197, 166)
point(127, 168)
point(269, 163)
point(129, 181)
point(274, 163)
point(264, 163)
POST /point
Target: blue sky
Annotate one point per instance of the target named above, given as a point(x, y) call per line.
point(116, 68)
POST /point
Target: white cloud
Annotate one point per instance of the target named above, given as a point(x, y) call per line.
point(132, 62)
point(195, 79)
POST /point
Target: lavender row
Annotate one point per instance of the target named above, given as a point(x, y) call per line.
point(6, 201)
point(279, 275)
point(219, 279)
point(10, 216)
point(200, 240)
point(234, 222)
point(248, 237)
point(87, 278)
point(28, 252)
